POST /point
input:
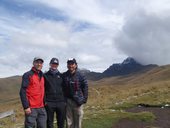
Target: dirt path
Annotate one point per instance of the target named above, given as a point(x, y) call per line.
point(162, 118)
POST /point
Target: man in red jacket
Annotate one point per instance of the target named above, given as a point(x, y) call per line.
point(32, 96)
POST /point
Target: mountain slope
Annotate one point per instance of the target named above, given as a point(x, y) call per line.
point(128, 66)
point(9, 87)
point(157, 74)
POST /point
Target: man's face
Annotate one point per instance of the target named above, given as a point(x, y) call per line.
point(71, 67)
point(54, 66)
point(38, 64)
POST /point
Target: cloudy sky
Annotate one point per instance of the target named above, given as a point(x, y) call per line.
point(97, 33)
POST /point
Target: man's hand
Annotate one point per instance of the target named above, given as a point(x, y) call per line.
point(27, 111)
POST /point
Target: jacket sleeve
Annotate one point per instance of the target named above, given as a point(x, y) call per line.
point(84, 86)
point(44, 75)
point(24, 85)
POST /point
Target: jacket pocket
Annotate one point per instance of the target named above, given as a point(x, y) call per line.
point(78, 98)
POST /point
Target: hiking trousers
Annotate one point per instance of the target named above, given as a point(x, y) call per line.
point(74, 114)
point(36, 119)
point(59, 109)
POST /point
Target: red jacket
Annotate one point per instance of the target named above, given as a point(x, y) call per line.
point(32, 89)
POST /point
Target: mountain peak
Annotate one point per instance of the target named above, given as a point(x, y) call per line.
point(84, 70)
point(128, 66)
point(129, 60)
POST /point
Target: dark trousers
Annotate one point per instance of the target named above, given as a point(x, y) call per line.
point(59, 108)
point(37, 118)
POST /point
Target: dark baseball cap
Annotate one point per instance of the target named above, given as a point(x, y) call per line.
point(54, 61)
point(71, 60)
point(38, 58)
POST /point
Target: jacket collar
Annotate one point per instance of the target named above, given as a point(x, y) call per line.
point(40, 73)
point(72, 74)
point(53, 72)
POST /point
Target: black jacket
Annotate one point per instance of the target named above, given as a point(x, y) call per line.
point(75, 87)
point(53, 87)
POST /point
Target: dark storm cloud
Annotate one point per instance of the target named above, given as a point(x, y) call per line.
point(146, 37)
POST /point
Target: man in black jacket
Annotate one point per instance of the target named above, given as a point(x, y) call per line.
point(54, 97)
point(76, 92)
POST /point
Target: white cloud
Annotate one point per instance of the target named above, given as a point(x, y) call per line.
point(85, 30)
point(87, 58)
point(91, 11)
point(157, 6)
point(43, 34)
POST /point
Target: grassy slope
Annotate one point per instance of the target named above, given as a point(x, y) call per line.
point(9, 88)
point(108, 97)
point(117, 93)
